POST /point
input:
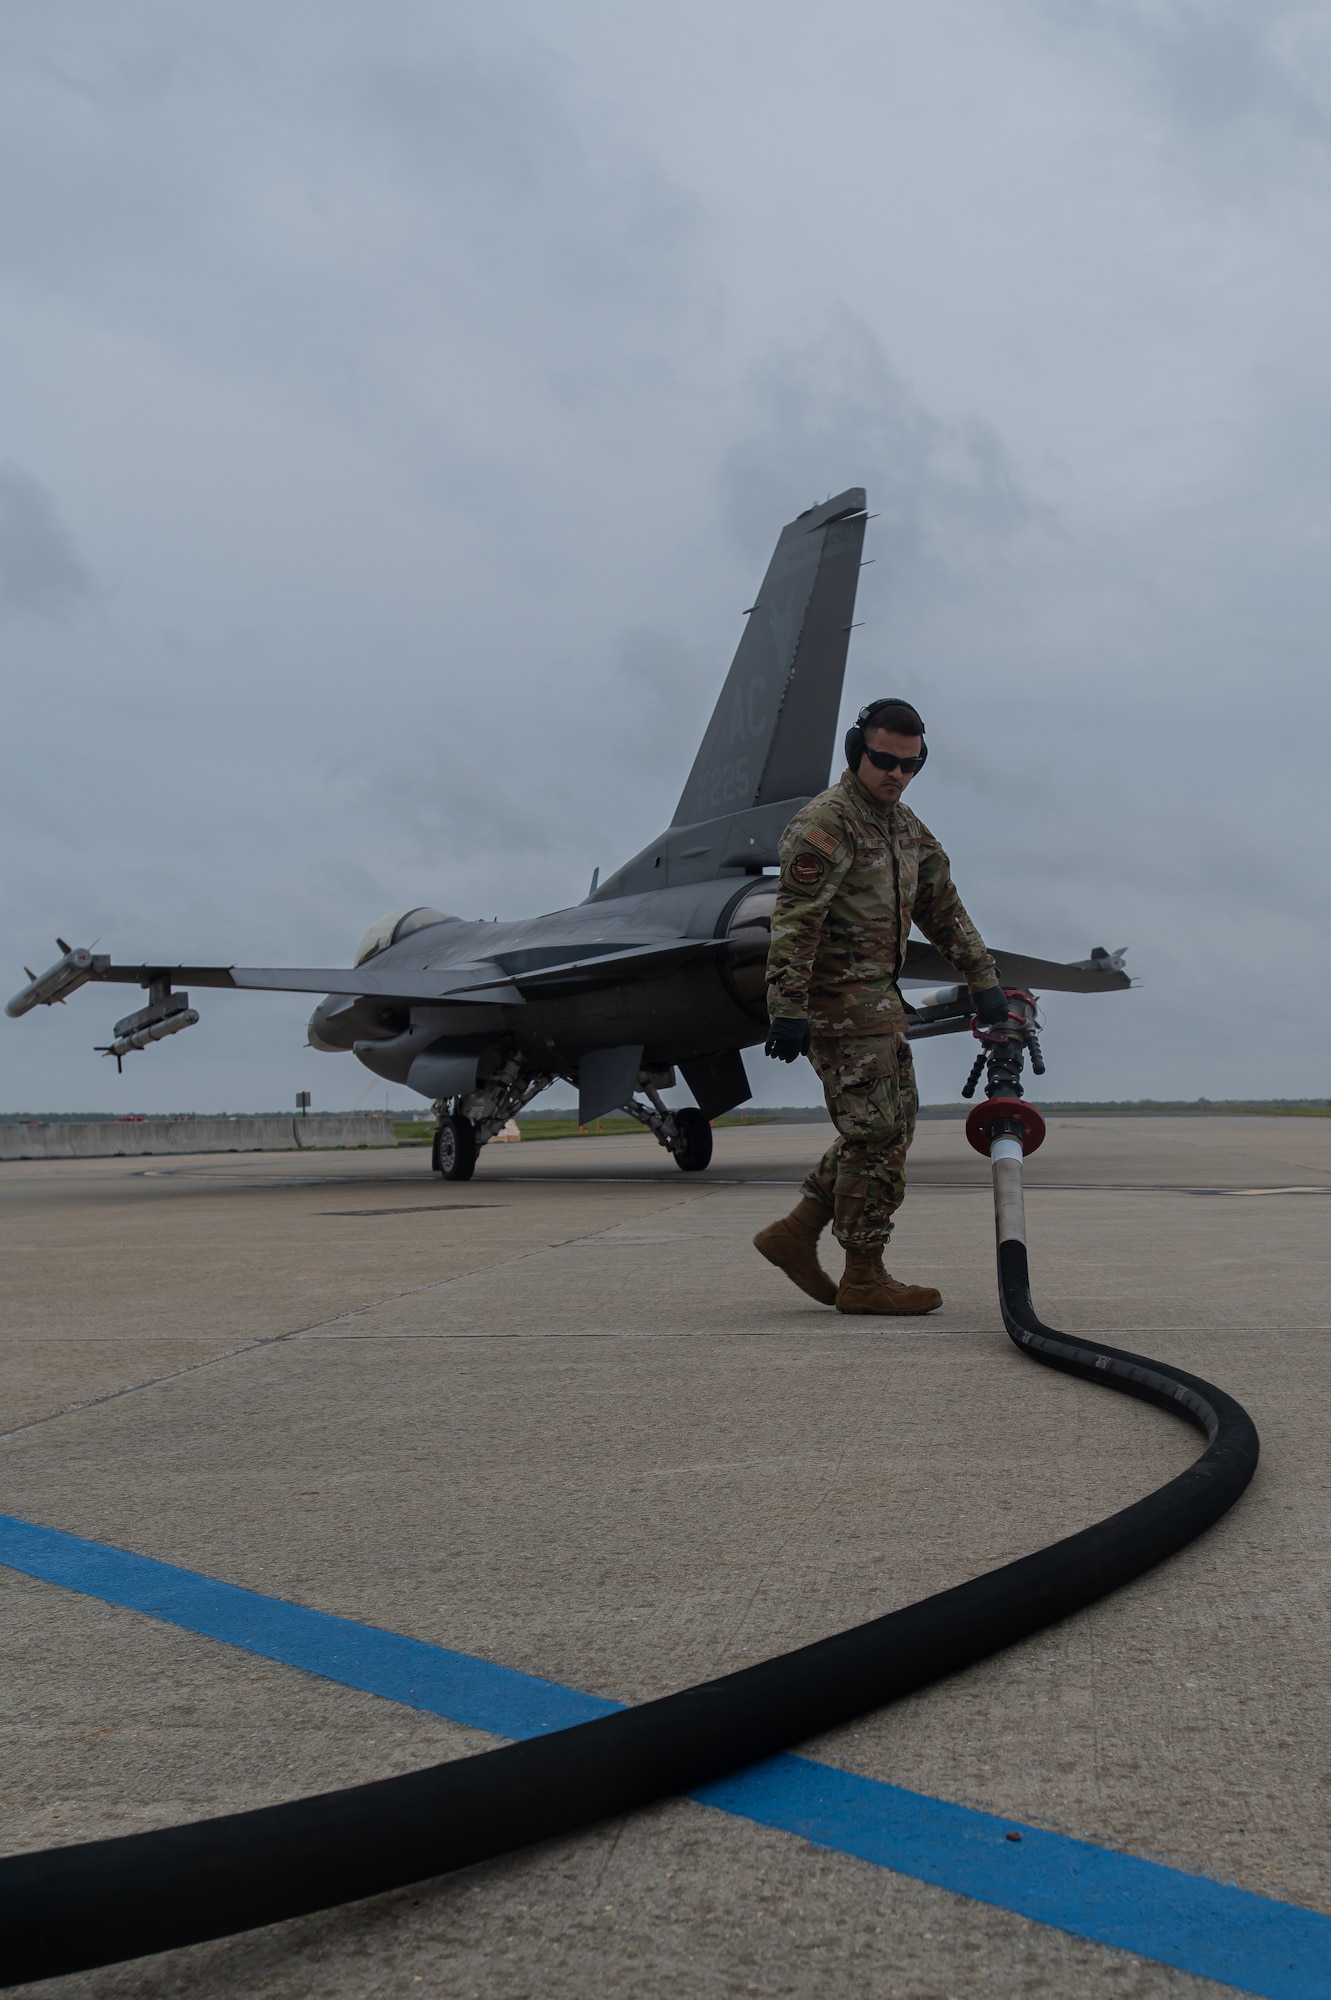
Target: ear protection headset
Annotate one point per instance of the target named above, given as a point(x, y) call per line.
point(855, 734)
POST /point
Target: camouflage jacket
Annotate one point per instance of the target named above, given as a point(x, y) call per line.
point(854, 876)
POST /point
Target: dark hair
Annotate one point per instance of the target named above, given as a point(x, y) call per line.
point(896, 716)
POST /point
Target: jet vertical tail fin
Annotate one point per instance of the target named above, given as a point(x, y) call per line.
point(768, 746)
point(772, 732)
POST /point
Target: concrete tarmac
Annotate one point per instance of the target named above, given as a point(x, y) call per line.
point(563, 1417)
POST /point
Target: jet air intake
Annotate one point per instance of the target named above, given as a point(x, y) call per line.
point(748, 932)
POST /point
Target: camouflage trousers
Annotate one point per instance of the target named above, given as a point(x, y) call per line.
point(869, 1084)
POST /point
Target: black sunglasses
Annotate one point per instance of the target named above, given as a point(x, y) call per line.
point(884, 761)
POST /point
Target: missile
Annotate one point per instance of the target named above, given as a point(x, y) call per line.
point(939, 1010)
point(156, 1031)
point(955, 998)
point(151, 1024)
point(62, 979)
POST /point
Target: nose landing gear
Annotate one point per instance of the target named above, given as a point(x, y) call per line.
point(466, 1123)
point(453, 1154)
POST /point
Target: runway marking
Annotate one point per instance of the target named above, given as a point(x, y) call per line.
point(640, 1333)
point(1263, 1190)
point(423, 1208)
point(644, 1179)
point(1210, 1929)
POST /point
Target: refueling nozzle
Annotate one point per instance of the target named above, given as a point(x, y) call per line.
point(1003, 1049)
point(1003, 1046)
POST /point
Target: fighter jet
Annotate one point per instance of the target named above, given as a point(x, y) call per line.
point(660, 969)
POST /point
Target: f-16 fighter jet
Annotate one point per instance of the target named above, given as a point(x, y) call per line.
point(660, 969)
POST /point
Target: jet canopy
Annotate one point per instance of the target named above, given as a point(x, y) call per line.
point(399, 924)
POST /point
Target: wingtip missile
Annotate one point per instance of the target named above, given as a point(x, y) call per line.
point(57, 982)
point(1110, 965)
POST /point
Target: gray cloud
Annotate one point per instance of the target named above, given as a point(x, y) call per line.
point(41, 572)
point(946, 496)
point(835, 400)
point(428, 387)
point(1227, 74)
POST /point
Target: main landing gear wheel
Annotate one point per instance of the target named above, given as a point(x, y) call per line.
point(454, 1151)
point(693, 1148)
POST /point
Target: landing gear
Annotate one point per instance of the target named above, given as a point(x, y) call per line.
point(467, 1122)
point(685, 1134)
point(693, 1146)
point(454, 1151)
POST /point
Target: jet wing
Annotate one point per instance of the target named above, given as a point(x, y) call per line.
point(388, 982)
point(376, 983)
point(499, 982)
point(510, 979)
point(1014, 969)
point(581, 975)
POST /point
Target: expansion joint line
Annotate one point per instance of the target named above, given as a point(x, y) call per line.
point(266, 1340)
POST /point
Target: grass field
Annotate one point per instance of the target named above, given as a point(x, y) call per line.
point(421, 1132)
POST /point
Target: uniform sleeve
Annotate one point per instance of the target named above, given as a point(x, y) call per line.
point(942, 917)
point(815, 856)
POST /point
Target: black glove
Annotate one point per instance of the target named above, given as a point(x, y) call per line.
point(786, 1040)
point(991, 1008)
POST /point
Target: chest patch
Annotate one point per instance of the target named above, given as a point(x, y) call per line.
point(826, 843)
point(808, 870)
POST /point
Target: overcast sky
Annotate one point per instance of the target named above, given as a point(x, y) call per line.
point(400, 402)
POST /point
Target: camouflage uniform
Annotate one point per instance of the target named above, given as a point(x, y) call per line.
point(854, 875)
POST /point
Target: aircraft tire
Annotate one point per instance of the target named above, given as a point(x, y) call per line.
point(693, 1149)
point(453, 1155)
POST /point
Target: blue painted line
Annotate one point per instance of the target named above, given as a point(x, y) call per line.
point(1210, 1929)
point(497, 1699)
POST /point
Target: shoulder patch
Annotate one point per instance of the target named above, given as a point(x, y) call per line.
point(807, 870)
point(826, 843)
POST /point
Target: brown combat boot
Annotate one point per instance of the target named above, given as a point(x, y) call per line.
point(792, 1245)
point(867, 1288)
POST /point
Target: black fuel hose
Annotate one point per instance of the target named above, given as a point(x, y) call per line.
point(66, 1909)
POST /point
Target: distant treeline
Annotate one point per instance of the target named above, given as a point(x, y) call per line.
point(171, 1117)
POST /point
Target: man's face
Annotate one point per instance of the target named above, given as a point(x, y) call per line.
point(887, 786)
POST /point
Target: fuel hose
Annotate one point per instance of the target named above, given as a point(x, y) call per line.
point(66, 1909)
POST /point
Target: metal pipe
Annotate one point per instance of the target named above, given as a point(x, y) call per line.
point(1005, 1158)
